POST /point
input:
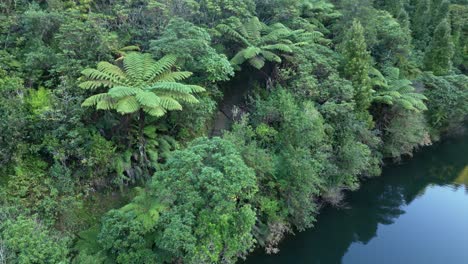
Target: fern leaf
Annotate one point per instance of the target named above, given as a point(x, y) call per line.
point(148, 99)
point(253, 28)
point(270, 56)
point(280, 47)
point(93, 85)
point(130, 48)
point(150, 131)
point(170, 104)
point(111, 70)
point(239, 58)
point(178, 96)
point(94, 99)
point(173, 76)
point(170, 86)
point(155, 111)
point(385, 99)
point(106, 104)
point(96, 75)
point(196, 88)
point(257, 62)
point(407, 105)
point(282, 33)
point(122, 91)
point(223, 28)
point(127, 105)
point(133, 66)
point(160, 66)
point(251, 52)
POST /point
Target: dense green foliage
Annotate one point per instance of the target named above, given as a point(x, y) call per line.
point(108, 110)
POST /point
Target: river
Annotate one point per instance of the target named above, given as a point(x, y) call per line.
point(416, 212)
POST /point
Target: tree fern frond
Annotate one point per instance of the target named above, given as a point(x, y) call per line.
point(130, 48)
point(385, 99)
point(111, 70)
point(407, 105)
point(420, 105)
point(275, 36)
point(155, 111)
point(196, 88)
point(94, 74)
point(257, 62)
point(251, 52)
point(170, 86)
point(393, 94)
point(127, 105)
point(239, 58)
point(122, 91)
point(173, 76)
point(188, 98)
point(419, 96)
point(93, 85)
point(148, 99)
point(253, 28)
point(160, 66)
point(279, 26)
point(270, 56)
point(280, 47)
point(107, 103)
point(233, 34)
point(123, 51)
point(133, 63)
point(94, 99)
point(169, 103)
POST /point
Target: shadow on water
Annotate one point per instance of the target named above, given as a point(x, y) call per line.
point(380, 201)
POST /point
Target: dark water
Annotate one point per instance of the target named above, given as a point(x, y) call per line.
point(416, 212)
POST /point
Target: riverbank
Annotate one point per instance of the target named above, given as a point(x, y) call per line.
point(416, 212)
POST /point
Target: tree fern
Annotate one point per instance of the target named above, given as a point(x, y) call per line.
point(260, 42)
point(139, 85)
point(391, 90)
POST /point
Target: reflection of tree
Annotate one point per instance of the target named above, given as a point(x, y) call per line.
point(462, 178)
point(390, 202)
point(379, 201)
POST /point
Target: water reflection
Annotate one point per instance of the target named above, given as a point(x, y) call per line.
point(379, 202)
point(462, 179)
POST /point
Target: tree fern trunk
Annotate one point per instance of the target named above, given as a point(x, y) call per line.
point(142, 147)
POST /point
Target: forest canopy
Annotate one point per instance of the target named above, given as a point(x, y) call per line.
point(195, 131)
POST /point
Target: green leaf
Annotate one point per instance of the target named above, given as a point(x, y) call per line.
point(251, 52)
point(122, 91)
point(106, 104)
point(170, 86)
point(127, 105)
point(280, 47)
point(170, 104)
point(270, 56)
point(257, 62)
point(148, 99)
point(94, 99)
point(155, 111)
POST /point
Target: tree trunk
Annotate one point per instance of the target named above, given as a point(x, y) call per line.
point(141, 134)
point(141, 138)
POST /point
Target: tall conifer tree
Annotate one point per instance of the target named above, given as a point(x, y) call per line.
point(358, 64)
point(439, 56)
point(420, 22)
